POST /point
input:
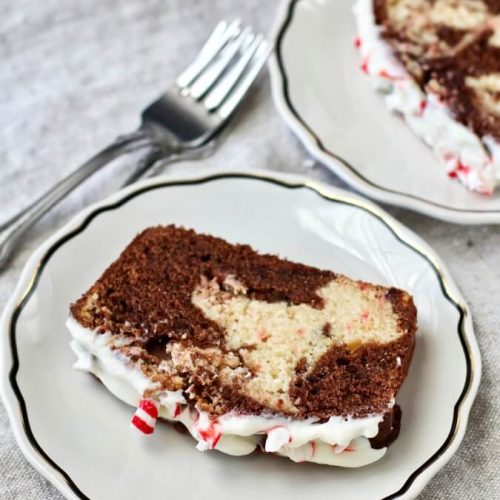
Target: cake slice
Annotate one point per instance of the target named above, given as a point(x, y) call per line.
point(437, 62)
point(247, 350)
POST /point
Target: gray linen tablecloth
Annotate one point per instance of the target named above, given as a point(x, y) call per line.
point(74, 75)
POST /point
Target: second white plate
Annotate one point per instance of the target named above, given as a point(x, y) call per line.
point(329, 103)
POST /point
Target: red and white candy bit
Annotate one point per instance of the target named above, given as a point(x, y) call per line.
point(460, 169)
point(210, 434)
point(337, 449)
point(422, 106)
point(145, 416)
point(177, 410)
point(364, 64)
point(385, 74)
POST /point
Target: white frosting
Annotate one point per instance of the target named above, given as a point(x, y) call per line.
point(321, 453)
point(339, 441)
point(462, 152)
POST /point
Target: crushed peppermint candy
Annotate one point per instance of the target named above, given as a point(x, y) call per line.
point(208, 430)
point(145, 416)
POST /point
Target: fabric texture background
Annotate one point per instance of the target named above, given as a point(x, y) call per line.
point(74, 75)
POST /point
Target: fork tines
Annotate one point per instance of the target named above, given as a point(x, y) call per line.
point(225, 67)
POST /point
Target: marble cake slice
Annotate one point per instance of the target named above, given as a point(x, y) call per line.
point(248, 350)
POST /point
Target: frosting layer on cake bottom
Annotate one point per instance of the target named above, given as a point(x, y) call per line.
point(339, 441)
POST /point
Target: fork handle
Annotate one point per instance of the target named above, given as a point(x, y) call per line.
point(161, 156)
point(12, 230)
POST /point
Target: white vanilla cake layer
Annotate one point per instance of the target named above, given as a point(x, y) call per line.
point(474, 161)
point(280, 334)
point(339, 441)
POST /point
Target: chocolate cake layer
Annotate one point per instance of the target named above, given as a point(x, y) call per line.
point(147, 291)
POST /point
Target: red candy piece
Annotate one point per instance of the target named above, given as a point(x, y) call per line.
point(459, 169)
point(149, 406)
point(211, 435)
point(384, 74)
point(145, 416)
point(364, 65)
point(423, 105)
point(462, 169)
point(141, 425)
point(177, 410)
point(216, 440)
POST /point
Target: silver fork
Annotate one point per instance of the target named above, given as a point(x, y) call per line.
point(186, 117)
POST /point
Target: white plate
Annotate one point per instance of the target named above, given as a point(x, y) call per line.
point(329, 103)
point(77, 434)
